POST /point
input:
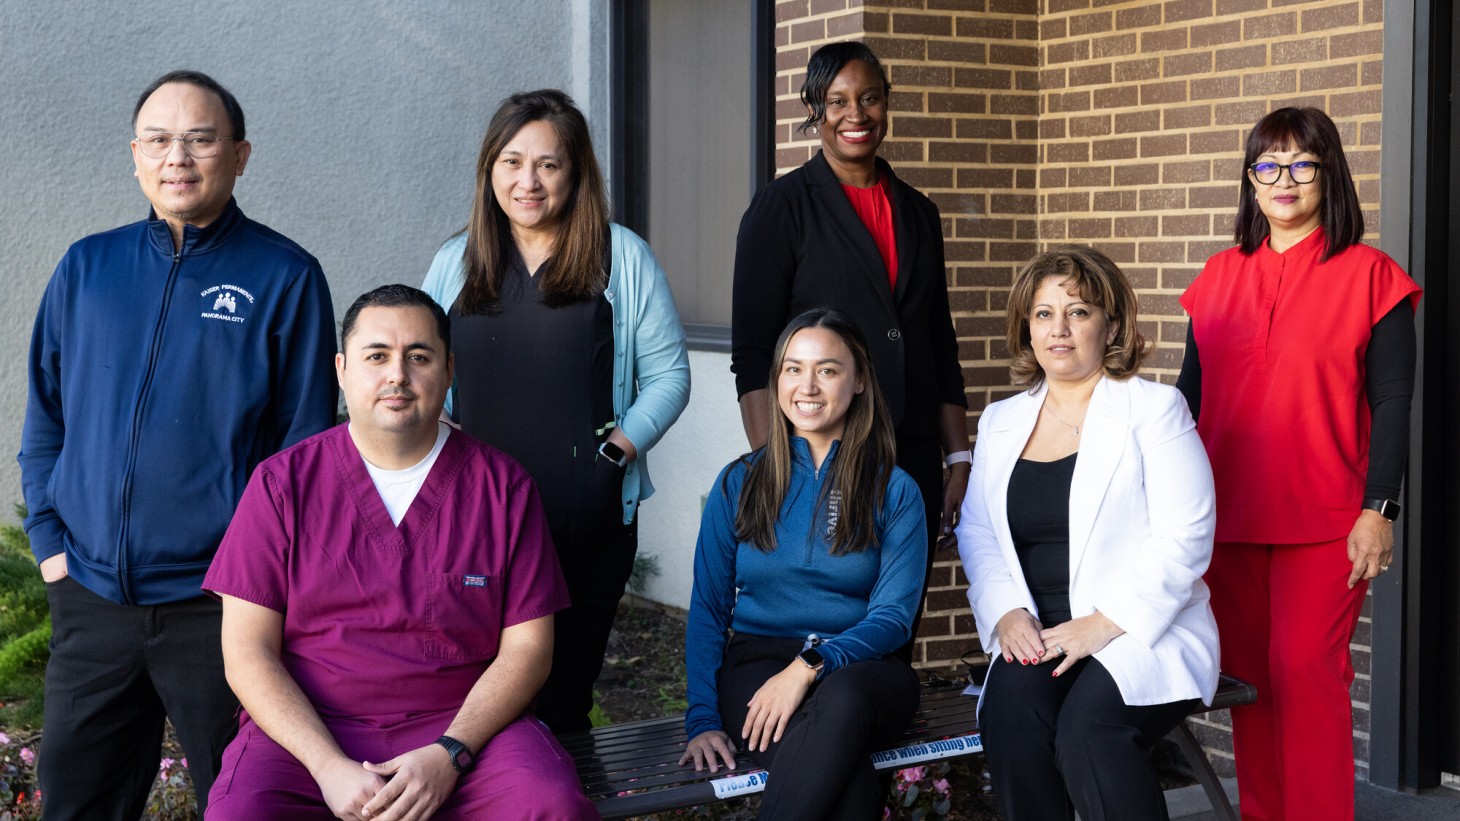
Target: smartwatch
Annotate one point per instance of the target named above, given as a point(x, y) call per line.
point(1388, 508)
point(461, 757)
point(613, 453)
point(811, 658)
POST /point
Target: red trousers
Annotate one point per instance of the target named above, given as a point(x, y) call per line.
point(1286, 617)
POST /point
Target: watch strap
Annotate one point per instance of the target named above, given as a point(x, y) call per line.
point(1388, 508)
point(458, 751)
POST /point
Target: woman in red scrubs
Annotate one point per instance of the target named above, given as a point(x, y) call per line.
point(1299, 369)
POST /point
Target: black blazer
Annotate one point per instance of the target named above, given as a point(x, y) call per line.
point(802, 246)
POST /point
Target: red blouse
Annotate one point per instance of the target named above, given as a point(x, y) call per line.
point(875, 210)
point(1284, 414)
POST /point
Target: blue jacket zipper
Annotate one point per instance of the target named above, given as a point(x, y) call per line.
point(137, 413)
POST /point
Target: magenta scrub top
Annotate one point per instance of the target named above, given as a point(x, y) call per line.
point(383, 622)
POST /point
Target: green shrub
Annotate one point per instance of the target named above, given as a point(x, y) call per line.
point(25, 629)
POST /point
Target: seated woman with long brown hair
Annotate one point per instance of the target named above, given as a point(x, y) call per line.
point(811, 552)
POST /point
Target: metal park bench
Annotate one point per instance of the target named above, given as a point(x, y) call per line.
point(633, 769)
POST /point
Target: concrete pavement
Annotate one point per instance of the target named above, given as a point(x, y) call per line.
point(1371, 803)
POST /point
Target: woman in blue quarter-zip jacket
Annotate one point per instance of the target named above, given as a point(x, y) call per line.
point(808, 573)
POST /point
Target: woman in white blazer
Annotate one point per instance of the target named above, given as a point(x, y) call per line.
point(1085, 532)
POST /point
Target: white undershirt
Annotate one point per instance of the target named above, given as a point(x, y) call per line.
point(398, 488)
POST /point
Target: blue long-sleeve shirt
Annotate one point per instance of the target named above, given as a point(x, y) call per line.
point(861, 604)
point(159, 378)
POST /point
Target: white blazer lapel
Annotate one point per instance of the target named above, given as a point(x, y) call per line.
point(1013, 429)
point(1105, 433)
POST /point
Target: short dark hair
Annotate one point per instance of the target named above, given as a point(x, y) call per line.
point(1310, 130)
point(822, 69)
point(396, 296)
point(203, 81)
point(1099, 282)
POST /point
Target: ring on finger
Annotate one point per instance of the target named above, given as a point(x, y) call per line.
point(1058, 650)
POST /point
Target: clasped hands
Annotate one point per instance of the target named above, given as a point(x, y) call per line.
point(1021, 636)
point(408, 787)
point(770, 709)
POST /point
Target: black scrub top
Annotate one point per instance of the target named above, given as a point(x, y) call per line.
point(536, 382)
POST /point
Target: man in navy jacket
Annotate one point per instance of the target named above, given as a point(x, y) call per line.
point(169, 357)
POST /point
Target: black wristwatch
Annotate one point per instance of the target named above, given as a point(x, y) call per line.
point(811, 658)
point(1388, 508)
point(613, 453)
point(461, 757)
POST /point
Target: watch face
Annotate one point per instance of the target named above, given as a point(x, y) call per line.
point(812, 658)
point(463, 759)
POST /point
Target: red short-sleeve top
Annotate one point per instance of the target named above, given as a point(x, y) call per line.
point(1284, 414)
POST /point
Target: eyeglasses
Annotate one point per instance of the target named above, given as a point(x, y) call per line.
point(200, 145)
point(1300, 172)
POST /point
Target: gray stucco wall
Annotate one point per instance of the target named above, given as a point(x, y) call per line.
point(365, 117)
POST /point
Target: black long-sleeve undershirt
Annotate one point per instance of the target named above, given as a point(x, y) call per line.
point(1389, 382)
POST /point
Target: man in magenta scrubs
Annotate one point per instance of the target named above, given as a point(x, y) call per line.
point(388, 594)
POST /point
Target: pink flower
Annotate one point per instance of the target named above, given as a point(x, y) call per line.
point(4, 739)
point(941, 785)
point(916, 773)
point(27, 755)
point(184, 762)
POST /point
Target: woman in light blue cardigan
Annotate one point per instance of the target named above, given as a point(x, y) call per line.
point(570, 357)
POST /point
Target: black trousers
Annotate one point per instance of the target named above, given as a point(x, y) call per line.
point(596, 550)
point(115, 673)
point(1057, 745)
point(822, 766)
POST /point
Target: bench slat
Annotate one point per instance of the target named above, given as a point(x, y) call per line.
point(641, 758)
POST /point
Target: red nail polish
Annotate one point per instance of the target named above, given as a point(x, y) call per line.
point(1056, 674)
point(1024, 661)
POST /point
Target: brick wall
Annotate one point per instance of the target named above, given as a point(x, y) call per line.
point(1117, 123)
point(965, 106)
point(1143, 110)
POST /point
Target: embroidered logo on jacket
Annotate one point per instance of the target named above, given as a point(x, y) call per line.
point(225, 301)
point(833, 511)
point(474, 581)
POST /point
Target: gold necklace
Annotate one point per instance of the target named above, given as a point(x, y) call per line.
point(1075, 428)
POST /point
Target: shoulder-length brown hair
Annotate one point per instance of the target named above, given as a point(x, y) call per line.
point(1310, 130)
point(863, 464)
point(1099, 282)
point(575, 271)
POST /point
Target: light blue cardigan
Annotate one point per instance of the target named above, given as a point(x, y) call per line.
point(650, 365)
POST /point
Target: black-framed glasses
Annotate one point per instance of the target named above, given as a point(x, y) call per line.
point(200, 145)
point(1268, 173)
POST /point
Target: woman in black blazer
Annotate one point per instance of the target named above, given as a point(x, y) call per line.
point(842, 231)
